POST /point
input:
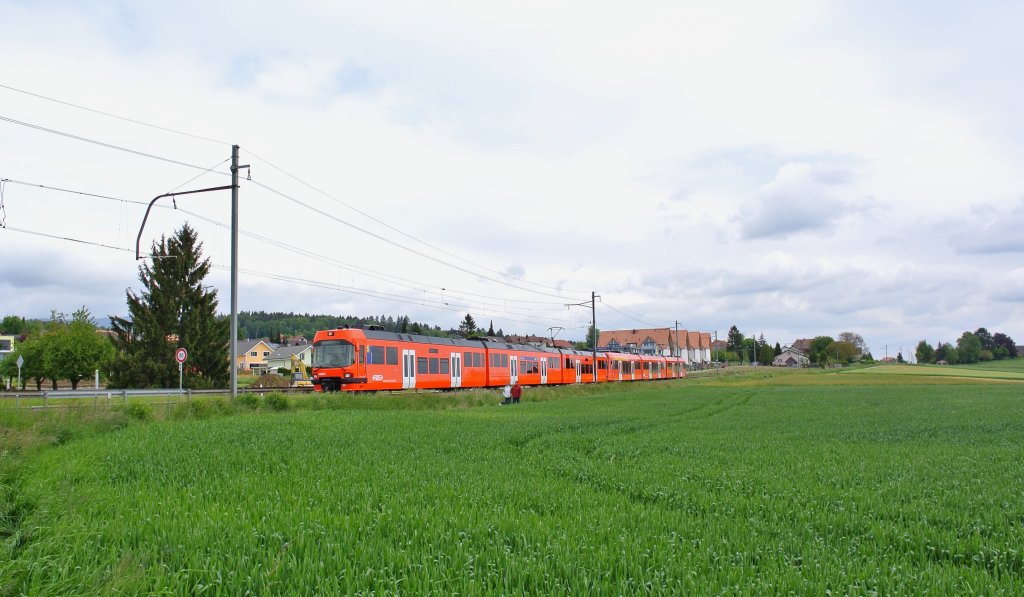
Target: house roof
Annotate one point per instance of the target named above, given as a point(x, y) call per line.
point(660, 336)
point(705, 340)
point(286, 352)
point(246, 346)
point(803, 345)
point(693, 339)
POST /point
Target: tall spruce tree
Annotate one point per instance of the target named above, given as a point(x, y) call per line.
point(173, 310)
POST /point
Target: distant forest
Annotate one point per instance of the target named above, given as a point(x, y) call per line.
point(276, 325)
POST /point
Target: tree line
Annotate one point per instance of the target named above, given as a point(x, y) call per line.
point(971, 347)
point(848, 347)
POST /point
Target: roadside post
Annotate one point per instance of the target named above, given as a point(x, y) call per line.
point(180, 355)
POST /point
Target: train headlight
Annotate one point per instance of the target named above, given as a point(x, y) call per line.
point(348, 375)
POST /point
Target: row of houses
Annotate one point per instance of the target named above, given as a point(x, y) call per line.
point(695, 348)
point(261, 356)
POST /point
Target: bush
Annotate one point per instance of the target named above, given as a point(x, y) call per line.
point(277, 401)
point(202, 409)
point(249, 400)
point(139, 412)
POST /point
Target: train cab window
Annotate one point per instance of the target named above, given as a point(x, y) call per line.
point(375, 356)
point(421, 365)
point(392, 355)
point(333, 353)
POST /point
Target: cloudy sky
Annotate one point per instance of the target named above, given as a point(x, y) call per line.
point(792, 168)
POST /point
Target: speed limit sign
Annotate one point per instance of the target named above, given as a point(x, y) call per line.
point(180, 355)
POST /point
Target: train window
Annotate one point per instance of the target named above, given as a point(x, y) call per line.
point(467, 359)
point(504, 360)
point(495, 360)
point(392, 355)
point(421, 365)
point(433, 365)
point(432, 351)
point(362, 354)
point(444, 366)
point(478, 359)
point(376, 356)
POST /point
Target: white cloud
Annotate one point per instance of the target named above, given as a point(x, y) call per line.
point(779, 166)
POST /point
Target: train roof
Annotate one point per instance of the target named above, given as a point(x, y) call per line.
point(492, 343)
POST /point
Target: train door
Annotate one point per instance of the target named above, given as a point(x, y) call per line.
point(513, 369)
point(456, 369)
point(408, 369)
point(544, 370)
point(579, 370)
point(618, 367)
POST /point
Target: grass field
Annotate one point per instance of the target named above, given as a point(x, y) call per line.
point(766, 482)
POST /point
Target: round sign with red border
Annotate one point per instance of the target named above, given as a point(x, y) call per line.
point(180, 355)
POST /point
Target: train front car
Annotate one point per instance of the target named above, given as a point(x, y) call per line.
point(336, 363)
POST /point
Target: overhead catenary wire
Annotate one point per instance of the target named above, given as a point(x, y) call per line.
point(385, 277)
point(100, 143)
point(313, 283)
point(112, 115)
point(390, 227)
point(630, 316)
point(268, 163)
point(399, 245)
point(494, 309)
point(298, 202)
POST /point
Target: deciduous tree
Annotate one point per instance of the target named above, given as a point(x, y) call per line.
point(968, 347)
point(924, 353)
point(74, 350)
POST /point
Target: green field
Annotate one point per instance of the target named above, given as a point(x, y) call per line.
point(768, 482)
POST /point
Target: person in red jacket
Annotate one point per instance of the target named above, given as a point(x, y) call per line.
point(517, 392)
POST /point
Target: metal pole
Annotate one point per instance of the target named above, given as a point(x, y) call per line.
point(234, 273)
point(593, 323)
point(677, 339)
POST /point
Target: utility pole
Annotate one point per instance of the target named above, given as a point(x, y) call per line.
point(593, 324)
point(234, 254)
point(677, 339)
point(234, 270)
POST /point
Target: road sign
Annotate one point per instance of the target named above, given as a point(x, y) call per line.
point(20, 361)
point(180, 355)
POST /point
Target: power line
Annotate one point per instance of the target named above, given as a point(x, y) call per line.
point(399, 245)
point(623, 312)
point(384, 277)
point(100, 143)
point(67, 238)
point(264, 160)
point(390, 227)
point(108, 114)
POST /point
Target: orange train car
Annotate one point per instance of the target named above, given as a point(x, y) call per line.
point(356, 359)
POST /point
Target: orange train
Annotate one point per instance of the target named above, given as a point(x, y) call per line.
point(355, 359)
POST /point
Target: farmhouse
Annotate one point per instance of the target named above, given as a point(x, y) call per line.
point(791, 357)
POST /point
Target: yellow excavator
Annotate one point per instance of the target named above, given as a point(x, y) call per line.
point(300, 377)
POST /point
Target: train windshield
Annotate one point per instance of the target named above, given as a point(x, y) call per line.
point(333, 353)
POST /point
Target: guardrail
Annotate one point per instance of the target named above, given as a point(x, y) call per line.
point(30, 399)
